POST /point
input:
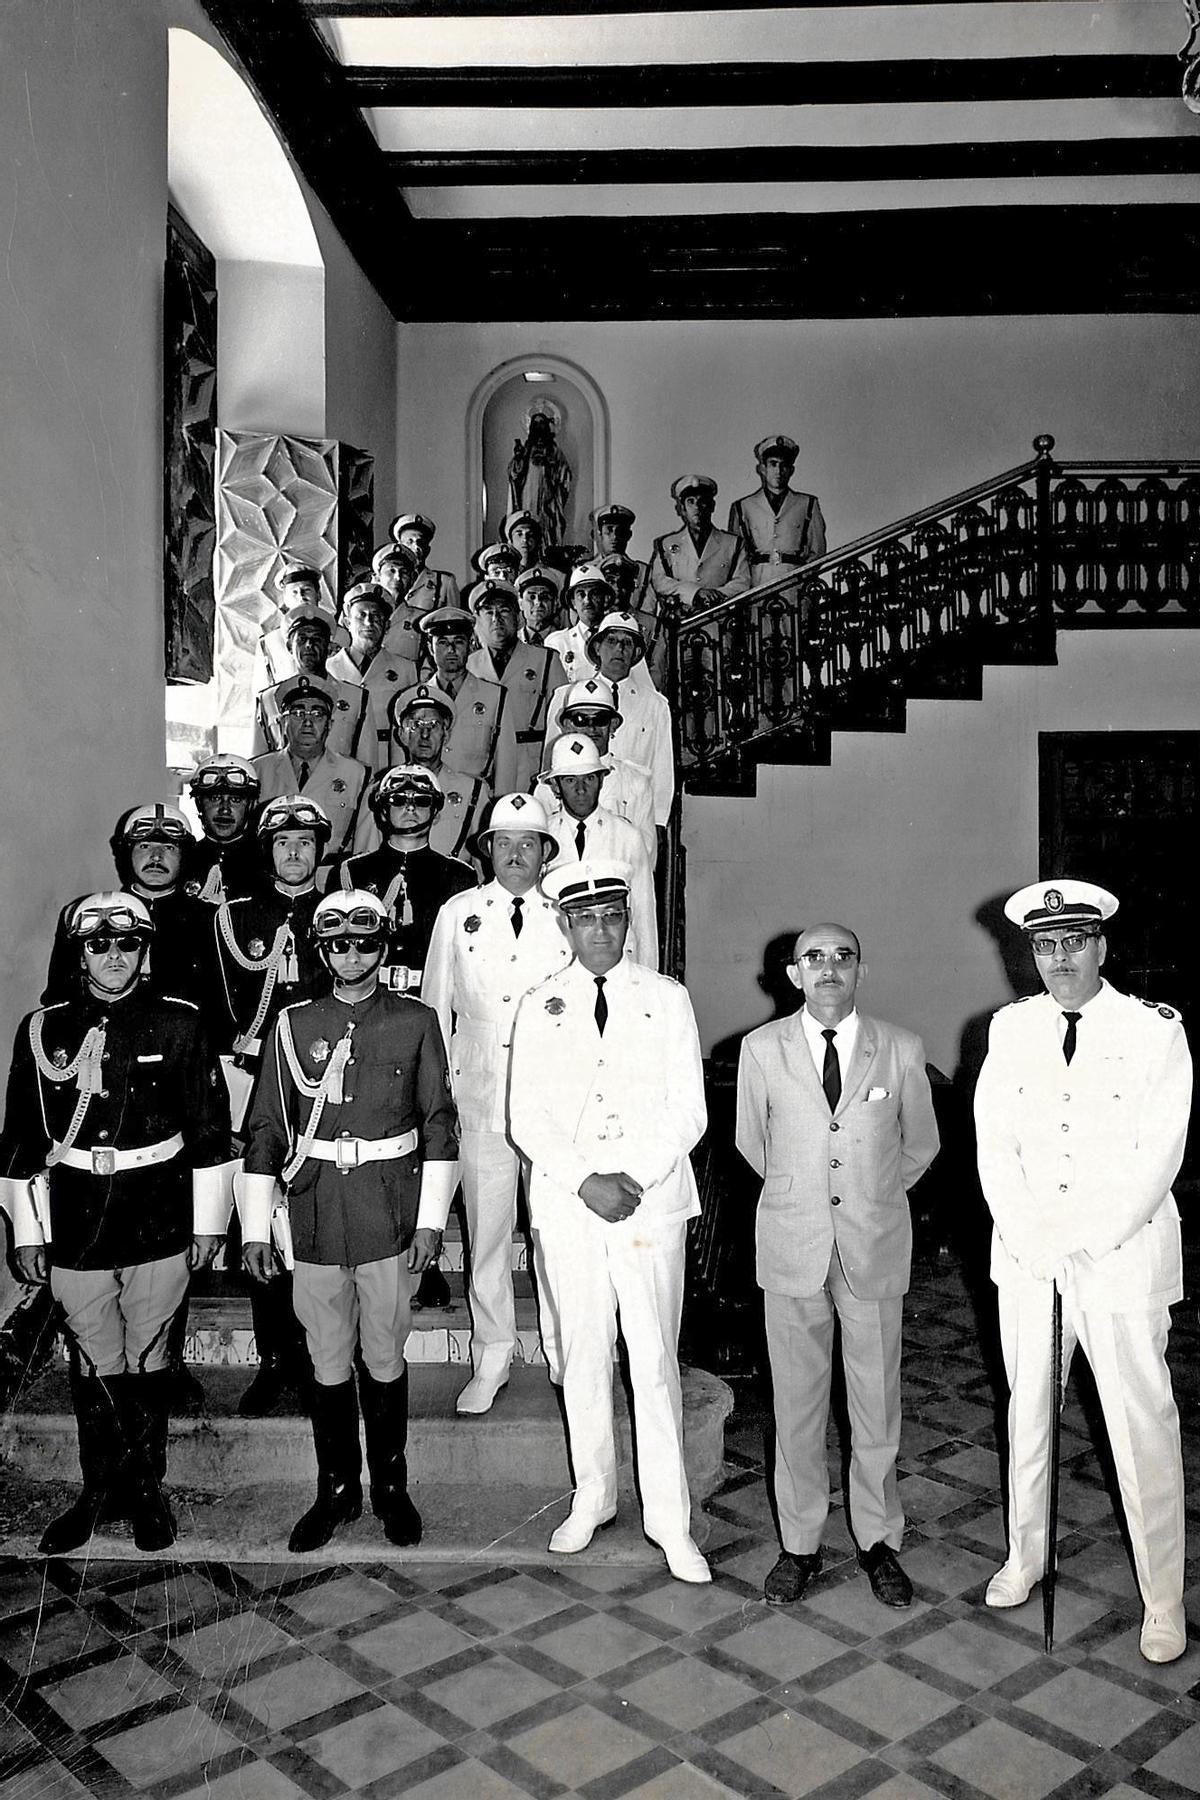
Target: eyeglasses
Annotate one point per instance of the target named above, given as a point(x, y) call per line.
point(1071, 943)
point(362, 918)
point(101, 942)
point(579, 721)
point(342, 946)
point(419, 802)
point(597, 915)
point(311, 714)
point(841, 958)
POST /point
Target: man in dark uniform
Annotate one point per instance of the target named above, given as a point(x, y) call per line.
point(353, 1117)
point(115, 1173)
point(267, 960)
point(151, 847)
point(226, 860)
point(412, 880)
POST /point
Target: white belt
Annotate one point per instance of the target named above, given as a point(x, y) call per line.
point(104, 1160)
point(400, 978)
point(348, 1152)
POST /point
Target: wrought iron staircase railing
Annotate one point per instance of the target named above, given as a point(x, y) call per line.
point(917, 608)
point(988, 575)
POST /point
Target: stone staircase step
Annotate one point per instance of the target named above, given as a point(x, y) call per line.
point(520, 1443)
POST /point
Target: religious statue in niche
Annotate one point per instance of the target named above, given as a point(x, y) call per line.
point(539, 475)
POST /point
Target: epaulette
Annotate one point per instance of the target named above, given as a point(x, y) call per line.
point(51, 1006)
point(1164, 1012)
point(178, 1000)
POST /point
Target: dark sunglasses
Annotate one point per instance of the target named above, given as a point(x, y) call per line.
point(101, 942)
point(342, 946)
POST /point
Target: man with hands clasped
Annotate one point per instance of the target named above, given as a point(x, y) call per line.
point(606, 1099)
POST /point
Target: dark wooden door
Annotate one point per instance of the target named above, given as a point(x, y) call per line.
point(1120, 808)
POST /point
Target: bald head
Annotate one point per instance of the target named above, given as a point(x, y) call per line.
point(827, 968)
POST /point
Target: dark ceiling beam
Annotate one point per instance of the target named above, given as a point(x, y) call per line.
point(971, 79)
point(798, 162)
point(935, 263)
point(300, 84)
point(561, 9)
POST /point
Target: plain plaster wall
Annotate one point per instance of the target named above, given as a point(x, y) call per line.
point(891, 414)
point(271, 347)
point(905, 837)
point(82, 141)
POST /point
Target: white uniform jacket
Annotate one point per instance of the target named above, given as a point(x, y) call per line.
point(570, 645)
point(580, 1104)
point(481, 739)
point(433, 588)
point(626, 791)
point(476, 971)
point(1080, 1158)
point(643, 737)
point(386, 675)
point(677, 570)
point(776, 541)
point(335, 782)
point(609, 838)
point(530, 676)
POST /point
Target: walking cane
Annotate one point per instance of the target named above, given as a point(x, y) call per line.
point(1050, 1569)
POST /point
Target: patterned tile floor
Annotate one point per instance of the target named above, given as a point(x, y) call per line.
point(262, 1683)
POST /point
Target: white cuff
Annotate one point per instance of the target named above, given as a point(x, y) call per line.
point(212, 1198)
point(16, 1198)
point(257, 1197)
point(438, 1182)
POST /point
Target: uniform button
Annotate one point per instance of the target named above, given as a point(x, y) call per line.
point(835, 1128)
point(834, 1163)
point(1066, 1096)
point(836, 1201)
point(1062, 1187)
point(102, 1134)
point(505, 998)
point(1064, 1126)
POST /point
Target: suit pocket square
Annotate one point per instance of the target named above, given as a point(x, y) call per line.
point(877, 1094)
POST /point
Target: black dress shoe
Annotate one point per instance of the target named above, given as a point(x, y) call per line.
point(889, 1583)
point(786, 1582)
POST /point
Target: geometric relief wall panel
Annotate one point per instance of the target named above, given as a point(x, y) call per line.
point(278, 501)
point(189, 450)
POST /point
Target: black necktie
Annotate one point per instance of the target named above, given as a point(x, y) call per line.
point(601, 1005)
point(305, 771)
point(518, 917)
point(580, 839)
point(1069, 1039)
point(831, 1072)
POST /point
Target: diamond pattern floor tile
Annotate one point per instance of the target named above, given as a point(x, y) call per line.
point(487, 1681)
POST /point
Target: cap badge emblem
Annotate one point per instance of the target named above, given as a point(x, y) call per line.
point(256, 947)
point(60, 1059)
point(1052, 900)
point(319, 1051)
point(473, 923)
point(478, 707)
point(555, 1005)
point(338, 786)
point(518, 801)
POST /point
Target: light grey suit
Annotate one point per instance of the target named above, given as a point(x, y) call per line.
point(833, 1233)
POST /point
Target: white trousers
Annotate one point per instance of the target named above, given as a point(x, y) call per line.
point(489, 1169)
point(1127, 1354)
point(800, 1346)
point(596, 1270)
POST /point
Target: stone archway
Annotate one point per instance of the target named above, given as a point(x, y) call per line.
point(497, 415)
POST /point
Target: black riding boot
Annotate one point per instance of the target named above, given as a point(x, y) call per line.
point(101, 1453)
point(144, 1403)
point(339, 1467)
point(284, 1372)
point(385, 1415)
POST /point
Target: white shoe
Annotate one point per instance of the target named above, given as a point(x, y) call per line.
point(1010, 1586)
point(577, 1531)
point(1164, 1635)
point(481, 1390)
point(684, 1560)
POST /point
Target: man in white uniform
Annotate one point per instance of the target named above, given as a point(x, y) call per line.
point(587, 831)
point(489, 946)
point(617, 651)
point(1081, 1114)
point(698, 565)
point(779, 527)
point(606, 1099)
